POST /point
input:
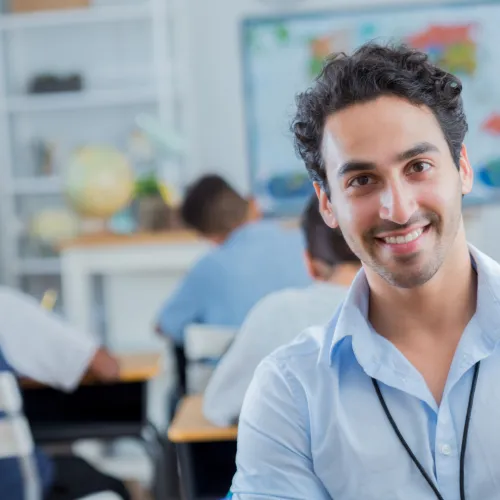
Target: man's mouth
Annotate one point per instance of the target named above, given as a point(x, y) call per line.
point(404, 240)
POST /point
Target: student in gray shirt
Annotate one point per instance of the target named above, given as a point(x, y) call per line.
point(279, 317)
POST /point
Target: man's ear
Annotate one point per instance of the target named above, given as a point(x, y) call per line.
point(466, 171)
point(325, 207)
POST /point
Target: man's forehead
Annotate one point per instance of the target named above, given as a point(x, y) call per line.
point(358, 134)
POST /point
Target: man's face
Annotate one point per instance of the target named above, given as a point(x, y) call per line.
point(395, 191)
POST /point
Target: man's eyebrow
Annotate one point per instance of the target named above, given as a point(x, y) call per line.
point(362, 166)
point(355, 166)
point(419, 149)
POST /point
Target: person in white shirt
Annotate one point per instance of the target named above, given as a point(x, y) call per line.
point(279, 317)
point(37, 344)
point(43, 347)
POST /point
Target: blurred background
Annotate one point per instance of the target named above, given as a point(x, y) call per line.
point(147, 95)
point(110, 108)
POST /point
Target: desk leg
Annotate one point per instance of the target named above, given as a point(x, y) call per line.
point(77, 292)
point(188, 483)
point(155, 448)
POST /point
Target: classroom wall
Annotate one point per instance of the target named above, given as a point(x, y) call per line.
point(218, 120)
point(215, 63)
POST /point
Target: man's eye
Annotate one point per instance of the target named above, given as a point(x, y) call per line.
point(362, 180)
point(420, 166)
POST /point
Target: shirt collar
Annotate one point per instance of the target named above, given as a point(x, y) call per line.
point(488, 295)
point(352, 318)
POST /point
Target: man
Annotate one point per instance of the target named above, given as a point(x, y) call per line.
point(251, 258)
point(397, 398)
point(281, 316)
point(36, 344)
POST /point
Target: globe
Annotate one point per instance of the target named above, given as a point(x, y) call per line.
point(99, 182)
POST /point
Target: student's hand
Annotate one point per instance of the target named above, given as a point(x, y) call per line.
point(104, 366)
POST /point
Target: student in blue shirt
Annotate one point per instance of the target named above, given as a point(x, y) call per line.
point(398, 396)
point(251, 258)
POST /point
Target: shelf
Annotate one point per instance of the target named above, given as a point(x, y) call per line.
point(91, 15)
point(39, 266)
point(77, 100)
point(37, 185)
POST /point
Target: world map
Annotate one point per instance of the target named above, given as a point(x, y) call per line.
point(284, 55)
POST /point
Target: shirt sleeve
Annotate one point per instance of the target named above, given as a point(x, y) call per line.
point(274, 458)
point(257, 338)
point(185, 306)
point(40, 345)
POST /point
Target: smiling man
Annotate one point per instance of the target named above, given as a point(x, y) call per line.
point(398, 396)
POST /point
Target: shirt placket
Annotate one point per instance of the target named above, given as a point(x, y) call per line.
point(447, 454)
point(449, 435)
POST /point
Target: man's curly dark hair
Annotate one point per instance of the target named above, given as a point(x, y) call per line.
point(370, 72)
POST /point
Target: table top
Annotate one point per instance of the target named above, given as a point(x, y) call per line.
point(133, 368)
point(174, 236)
point(189, 424)
point(139, 367)
point(110, 239)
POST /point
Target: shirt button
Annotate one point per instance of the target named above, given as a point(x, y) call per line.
point(446, 449)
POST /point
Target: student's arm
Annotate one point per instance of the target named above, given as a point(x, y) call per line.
point(104, 366)
point(186, 303)
point(41, 346)
point(274, 451)
point(257, 338)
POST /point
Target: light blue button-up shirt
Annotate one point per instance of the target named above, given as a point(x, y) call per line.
point(313, 428)
point(257, 259)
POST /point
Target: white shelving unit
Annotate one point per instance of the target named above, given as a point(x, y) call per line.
point(132, 62)
point(79, 100)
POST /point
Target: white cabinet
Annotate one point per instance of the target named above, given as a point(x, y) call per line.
point(130, 63)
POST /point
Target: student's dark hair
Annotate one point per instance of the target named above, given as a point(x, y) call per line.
point(322, 242)
point(370, 72)
point(212, 206)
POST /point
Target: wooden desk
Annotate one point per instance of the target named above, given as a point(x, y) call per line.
point(137, 367)
point(117, 266)
point(189, 424)
point(100, 411)
point(133, 368)
point(206, 452)
point(107, 239)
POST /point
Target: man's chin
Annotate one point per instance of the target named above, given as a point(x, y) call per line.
point(410, 277)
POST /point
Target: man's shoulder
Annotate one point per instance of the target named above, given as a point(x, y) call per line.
point(300, 357)
point(290, 371)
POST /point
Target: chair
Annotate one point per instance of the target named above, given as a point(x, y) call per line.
point(17, 440)
point(204, 346)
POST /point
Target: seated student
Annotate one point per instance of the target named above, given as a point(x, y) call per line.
point(252, 257)
point(282, 315)
point(36, 344)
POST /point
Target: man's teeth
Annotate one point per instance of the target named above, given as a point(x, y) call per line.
point(393, 240)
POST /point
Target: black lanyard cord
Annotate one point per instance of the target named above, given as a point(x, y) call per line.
point(466, 430)
point(464, 437)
